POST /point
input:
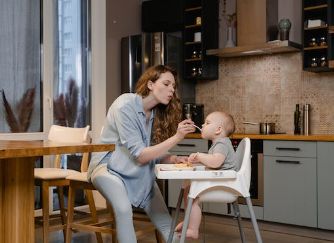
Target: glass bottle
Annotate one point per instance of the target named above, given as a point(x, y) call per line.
point(314, 62)
point(194, 72)
point(323, 41)
point(313, 42)
point(200, 54)
point(194, 54)
point(323, 62)
point(297, 121)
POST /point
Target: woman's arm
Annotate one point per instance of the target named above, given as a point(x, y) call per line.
point(152, 152)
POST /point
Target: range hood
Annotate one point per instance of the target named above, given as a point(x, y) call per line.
point(257, 30)
point(256, 49)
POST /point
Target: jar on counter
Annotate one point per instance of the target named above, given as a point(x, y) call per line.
point(313, 42)
point(323, 41)
point(314, 62)
point(323, 62)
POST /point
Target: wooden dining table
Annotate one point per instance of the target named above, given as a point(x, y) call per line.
point(17, 183)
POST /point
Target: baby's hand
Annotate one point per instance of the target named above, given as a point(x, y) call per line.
point(181, 160)
point(193, 158)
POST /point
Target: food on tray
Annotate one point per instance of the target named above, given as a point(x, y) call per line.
point(182, 165)
point(177, 167)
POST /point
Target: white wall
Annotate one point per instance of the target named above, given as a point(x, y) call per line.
point(291, 9)
point(123, 19)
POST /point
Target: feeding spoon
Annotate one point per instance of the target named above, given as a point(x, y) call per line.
point(196, 127)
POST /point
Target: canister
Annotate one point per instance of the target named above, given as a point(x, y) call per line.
point(306, 119)
point(198, 20)
point(197, 36)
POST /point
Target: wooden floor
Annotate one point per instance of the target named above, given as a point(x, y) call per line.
point(220, 229)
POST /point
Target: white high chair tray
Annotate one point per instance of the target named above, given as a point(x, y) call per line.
point(166, 171)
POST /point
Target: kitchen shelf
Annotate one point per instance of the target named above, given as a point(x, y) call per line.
point(193, 42)
point(322, 10)
point(259, 49)
point(316, 28)
point(193, 9)
point(316, 7)
point(193, 26)
point(314, 48)
point(318, 69)
point(193, 59)
point(206, 12)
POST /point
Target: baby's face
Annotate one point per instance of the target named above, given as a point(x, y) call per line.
point(210, 126)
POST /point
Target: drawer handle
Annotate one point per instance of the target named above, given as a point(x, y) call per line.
point(288, 161)
point(186, 145)
point(289, 149)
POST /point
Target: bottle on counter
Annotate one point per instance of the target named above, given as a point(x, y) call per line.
point(297, 120)
point(306, 119)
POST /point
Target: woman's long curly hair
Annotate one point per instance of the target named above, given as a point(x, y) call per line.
point(166, 117)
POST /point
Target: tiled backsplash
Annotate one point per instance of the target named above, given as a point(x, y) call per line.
point(267, 89)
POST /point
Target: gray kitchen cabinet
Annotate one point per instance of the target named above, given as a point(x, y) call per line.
point(325, 185)
point(185, 147)
point(290, 182)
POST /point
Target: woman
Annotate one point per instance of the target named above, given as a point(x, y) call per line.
point(143, 127)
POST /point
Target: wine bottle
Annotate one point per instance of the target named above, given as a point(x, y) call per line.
point(297, 120)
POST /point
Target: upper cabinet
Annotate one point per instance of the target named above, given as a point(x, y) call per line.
point(200, 34)
point(318, 40)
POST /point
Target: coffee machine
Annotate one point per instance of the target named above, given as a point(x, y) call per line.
point(195, 112)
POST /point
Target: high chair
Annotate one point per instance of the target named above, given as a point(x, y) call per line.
point(56, 177)
point(226, 189)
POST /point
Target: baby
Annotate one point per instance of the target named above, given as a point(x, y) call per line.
point(218, 127)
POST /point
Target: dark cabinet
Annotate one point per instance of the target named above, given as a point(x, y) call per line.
point(200, 34)
point(318, 39)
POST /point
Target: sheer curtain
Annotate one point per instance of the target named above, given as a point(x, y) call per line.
point(20, 66)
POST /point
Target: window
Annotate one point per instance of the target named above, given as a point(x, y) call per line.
point(68, 68)
point(67, 4)
point(23, 75)
point(67, 52)
point(72, 70)
point(68, 20)
point(67, 36)
point(71, 77)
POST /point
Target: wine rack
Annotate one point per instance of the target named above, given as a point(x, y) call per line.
point(200, 33)
point(318, 39)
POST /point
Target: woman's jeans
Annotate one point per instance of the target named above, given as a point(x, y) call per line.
point(113, 190)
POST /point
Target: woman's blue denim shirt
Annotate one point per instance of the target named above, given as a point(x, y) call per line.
point(125, 126)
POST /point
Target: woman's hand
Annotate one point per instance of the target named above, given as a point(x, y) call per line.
point(184, 128)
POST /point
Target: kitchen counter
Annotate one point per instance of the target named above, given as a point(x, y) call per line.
point(291, 137)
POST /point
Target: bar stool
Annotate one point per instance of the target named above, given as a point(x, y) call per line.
point(79, 181)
